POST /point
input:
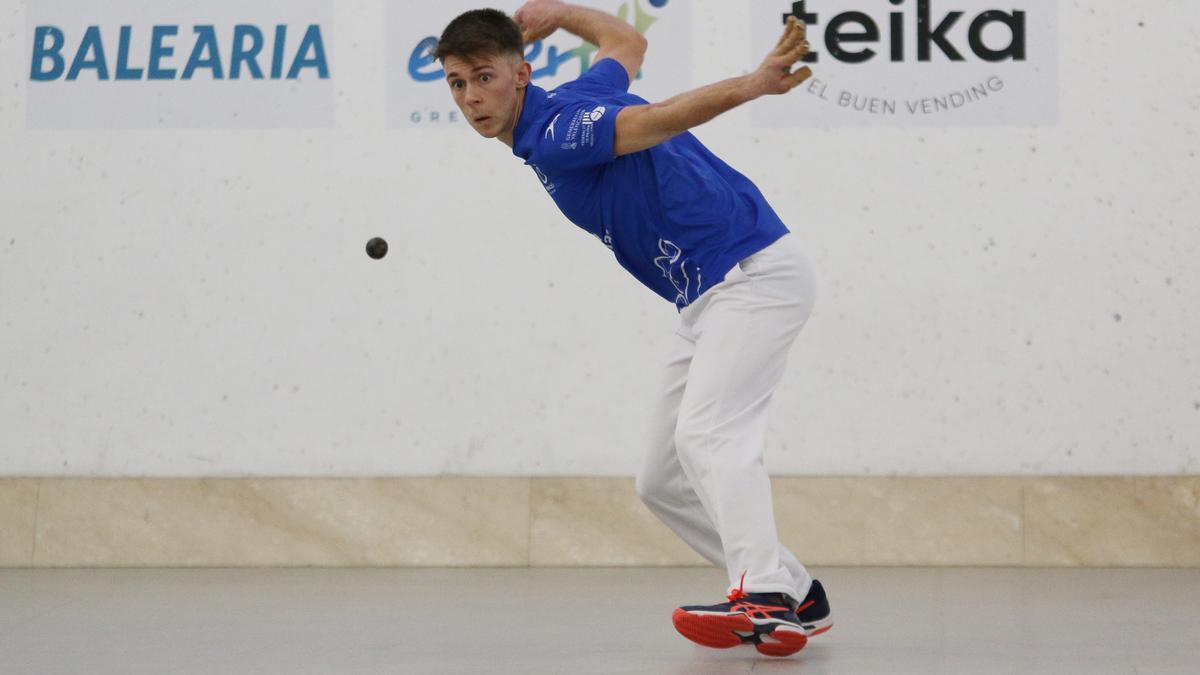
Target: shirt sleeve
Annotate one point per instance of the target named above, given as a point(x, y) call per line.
point(605, 76)
point(579, 135)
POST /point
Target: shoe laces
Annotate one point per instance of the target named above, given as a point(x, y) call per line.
point(737, 593)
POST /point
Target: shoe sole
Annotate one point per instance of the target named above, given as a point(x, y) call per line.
point(818, 627)
point(722, 631)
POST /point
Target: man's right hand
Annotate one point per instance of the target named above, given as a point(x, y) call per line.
point(538, 19)
point(775, 75)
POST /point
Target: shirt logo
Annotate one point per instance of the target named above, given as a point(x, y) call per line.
point(581, 131)
point(550, 187)
point(674, 267)
point(550, 129)
point(607, 239)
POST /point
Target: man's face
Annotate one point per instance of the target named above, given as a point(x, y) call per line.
point(488, 90)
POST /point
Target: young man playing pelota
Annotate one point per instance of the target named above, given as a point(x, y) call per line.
point(702, 236)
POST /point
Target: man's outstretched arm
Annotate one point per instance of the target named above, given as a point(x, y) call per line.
point(614, 38)
point(645, 126)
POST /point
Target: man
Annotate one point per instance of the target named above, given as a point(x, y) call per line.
point(702, 236)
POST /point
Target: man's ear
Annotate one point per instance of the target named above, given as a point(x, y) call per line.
point(524, 75)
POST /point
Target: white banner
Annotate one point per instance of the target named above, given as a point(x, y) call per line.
point(179, 64)
point(419, 97)
point(917, 62)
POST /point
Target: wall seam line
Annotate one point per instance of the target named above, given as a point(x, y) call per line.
point(37, 511)
point(1024, 522)
point(529, 527)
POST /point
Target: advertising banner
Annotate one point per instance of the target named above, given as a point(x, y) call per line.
point(916, 62)
point(418, 96)
point(179, 64)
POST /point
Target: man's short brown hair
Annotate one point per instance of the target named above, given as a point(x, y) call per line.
point(480, 32)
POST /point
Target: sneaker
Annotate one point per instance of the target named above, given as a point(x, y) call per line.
point(766, 620)
point(813, 613)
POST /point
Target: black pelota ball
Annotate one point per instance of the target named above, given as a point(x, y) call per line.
point(377, 248)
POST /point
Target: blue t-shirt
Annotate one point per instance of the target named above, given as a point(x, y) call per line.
point(675, 216)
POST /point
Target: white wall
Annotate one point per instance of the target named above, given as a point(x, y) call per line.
point(192, 303)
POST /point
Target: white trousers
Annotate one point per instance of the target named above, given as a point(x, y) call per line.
point(704, 475)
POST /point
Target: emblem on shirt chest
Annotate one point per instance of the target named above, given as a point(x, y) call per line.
point(581, 131)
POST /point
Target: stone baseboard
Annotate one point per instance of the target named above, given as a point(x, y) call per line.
point(553, 522)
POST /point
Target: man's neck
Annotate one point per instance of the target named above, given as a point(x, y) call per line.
point(507, 137)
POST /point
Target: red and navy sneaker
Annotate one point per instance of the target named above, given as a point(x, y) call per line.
point(814, 612)
point(772, 622)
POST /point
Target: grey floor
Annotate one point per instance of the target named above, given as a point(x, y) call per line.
point(528, 621)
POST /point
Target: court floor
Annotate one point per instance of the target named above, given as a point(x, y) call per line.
point(531, 621)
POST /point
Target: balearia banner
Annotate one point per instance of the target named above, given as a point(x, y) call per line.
point(179, 64)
